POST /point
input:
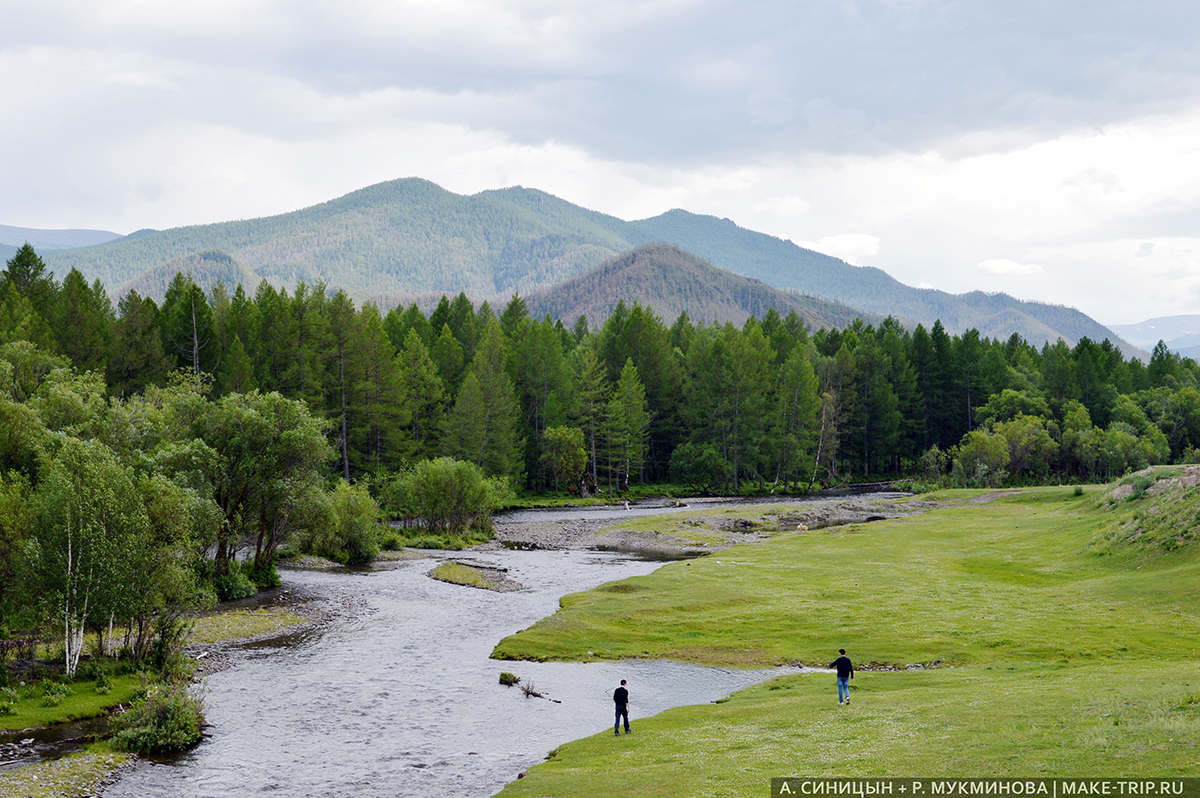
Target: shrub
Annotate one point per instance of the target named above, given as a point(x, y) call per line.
point(508, 679)
point(390, 539)
point(450, 496)
point(1078, 490)
point(165, 718)
point(166, 650)
point(8, 701)
point(350, 536)
point(235, 583)
point(54, 693)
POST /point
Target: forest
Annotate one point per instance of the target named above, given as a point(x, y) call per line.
point(159, 456)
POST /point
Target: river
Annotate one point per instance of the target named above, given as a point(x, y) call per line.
point(399, 697)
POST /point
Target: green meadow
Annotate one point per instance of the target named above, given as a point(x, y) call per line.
point(1059, 634)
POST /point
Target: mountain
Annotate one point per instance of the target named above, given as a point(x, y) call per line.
point(410, 237)
point(205, 268)
point(1181, 334)
point(46, 240)
point(671, 281)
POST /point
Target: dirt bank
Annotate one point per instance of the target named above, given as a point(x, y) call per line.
point(690, 534)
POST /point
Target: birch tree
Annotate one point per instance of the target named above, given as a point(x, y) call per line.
point(89, 513)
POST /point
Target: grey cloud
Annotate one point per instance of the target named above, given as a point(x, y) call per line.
point(866, 77)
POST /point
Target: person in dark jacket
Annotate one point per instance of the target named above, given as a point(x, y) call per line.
point(845, 672)
point(621, 700)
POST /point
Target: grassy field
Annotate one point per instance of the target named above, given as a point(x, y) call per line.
point(1061, 653)
point(82, 702)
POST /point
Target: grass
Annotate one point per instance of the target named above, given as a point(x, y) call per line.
point(74, 775)
point(229, 625)
point(1092, 721)
point(1012, 580)
point(82, 702)
point(1073, 656)
point(460, 574)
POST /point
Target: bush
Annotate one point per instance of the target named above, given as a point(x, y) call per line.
point(235, 583)
point(390, 539)
point(265, 576)
point(508, 679)
point(450, 496)
point(54, 693)
point(8, 701)
point(351, 536)
point(166, 650)
point(165, 718)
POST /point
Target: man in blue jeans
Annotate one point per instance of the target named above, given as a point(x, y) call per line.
point(621, 699)
point(845, 672)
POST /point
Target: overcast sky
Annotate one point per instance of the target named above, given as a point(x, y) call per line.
point(1050, 150)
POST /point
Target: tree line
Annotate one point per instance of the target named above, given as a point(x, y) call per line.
point(767, 403)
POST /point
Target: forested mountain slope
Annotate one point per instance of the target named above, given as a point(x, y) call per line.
point(409, 237)
point(671, 281)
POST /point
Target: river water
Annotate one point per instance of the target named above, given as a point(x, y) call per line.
point(400, 698)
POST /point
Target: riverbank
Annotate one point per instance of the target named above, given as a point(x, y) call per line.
point(216, 639)
point(1059, 655)
point(690, 528)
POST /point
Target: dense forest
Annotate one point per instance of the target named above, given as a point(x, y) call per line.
point(154, 457)
point(719, 406)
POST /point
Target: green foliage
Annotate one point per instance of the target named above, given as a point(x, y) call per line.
point(564, 454)
point(450, 496)
point(234, 583)
point(508, 679)
point(699, 465)
point(54, 693)
point(8, 701)
point(165, 719)
point(352, 535)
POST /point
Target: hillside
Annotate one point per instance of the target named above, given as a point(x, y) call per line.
point(410, 238)
point(671, 281)
point(206, 269)
point(44, 240)
point(1180, 333)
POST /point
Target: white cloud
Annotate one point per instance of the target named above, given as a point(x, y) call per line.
point(1004, 266)
point(855, 248)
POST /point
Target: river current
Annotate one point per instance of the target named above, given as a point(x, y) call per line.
point(399, 697)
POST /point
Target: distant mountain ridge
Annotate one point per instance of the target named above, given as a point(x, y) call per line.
point(44, 240)
point(671, 281)
point(1181, 334)
point(410, 237)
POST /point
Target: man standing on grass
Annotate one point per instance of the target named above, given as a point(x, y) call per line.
point(621, 699)
point(845, 672)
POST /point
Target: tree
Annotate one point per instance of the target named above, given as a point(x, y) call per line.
point(982, 459)
point(626, 426)
point(89, 513)
point(590, 395)
point(136, 356)
point(482, 427)
point(84, 317)
point(563, 453)
point(188, 332)
point(422, 393)
point(26, 274)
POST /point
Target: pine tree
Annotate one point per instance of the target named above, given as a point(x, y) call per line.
point(422, 393)
point(375, 413)
point(136, 356)
point(482, 427)
point(188, 333)
point(84, 318)
point(627, 424)
point(591, 397)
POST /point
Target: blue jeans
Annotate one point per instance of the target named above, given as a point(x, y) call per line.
point(622, 712)
point(843, 688)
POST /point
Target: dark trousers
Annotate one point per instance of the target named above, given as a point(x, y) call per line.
point(622, 712)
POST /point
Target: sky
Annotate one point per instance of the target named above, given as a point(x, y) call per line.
point(1048, 150)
